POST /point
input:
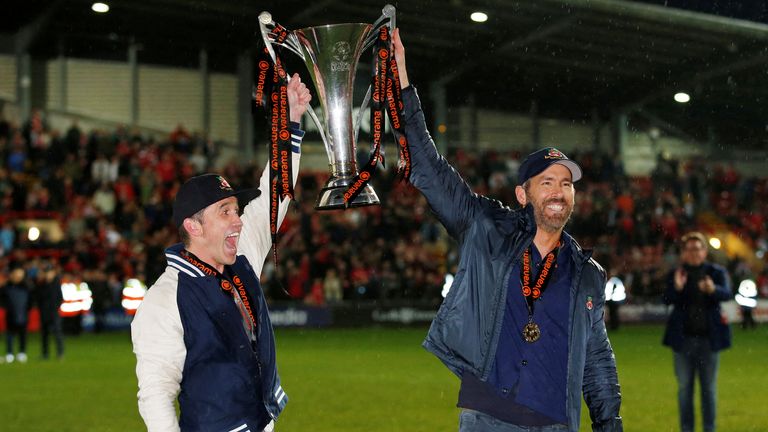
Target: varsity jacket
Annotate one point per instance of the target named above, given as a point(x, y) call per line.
point(189, 339)
point(465, 332)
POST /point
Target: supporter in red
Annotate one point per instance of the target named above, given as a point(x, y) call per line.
point(124, 190)
point(626, 203)
point(316, 296)
point(359, 275)
point(294, 281)
point(166, 167)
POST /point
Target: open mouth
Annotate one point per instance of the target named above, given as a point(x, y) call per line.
point(231, 241)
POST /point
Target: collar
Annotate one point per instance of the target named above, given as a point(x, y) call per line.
point(193, 267)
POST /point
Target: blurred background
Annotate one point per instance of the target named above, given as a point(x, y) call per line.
point(104, 113)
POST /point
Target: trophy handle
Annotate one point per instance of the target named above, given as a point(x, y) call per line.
point(387, 17)
point(265, 19)
point(389, 11)
point(292, 44)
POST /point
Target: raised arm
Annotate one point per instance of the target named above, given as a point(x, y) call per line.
point(449, 196)
point(256, 237)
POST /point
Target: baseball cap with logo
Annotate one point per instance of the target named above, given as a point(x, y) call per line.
point(538, 161)
point(201, 191)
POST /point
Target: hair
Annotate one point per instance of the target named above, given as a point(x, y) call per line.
point(183, 234)
point(693, 236)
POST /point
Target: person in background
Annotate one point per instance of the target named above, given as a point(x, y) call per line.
point(16, 298)
point(696, 331)
point(49, 298)
point(522, 325)
point(332, 286)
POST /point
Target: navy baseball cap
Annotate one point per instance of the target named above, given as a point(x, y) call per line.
point(201, 191)
point(540, 160)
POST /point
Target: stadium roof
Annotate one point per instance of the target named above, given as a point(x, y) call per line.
point(574, 58)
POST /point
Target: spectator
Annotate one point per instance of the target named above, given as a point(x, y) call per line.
point(49, 298)
point(315, 296)
point(104, 199)
point(16, 298)
point(332, 286)
point(695, 330)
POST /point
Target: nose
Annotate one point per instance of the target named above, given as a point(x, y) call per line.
point(237, 222)
point(558, 192)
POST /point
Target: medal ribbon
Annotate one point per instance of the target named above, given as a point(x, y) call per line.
point(275, 100)
point(238, 292)
point(532, 294)
point(386, 97)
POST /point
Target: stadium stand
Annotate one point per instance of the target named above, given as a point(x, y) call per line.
point(107, 194)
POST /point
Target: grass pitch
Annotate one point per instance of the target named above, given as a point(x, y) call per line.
point(364, 380)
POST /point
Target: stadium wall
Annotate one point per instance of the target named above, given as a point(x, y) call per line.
point(100, 92)
point(7, 77)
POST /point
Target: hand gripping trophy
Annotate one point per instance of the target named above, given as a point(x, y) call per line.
point(331, 53)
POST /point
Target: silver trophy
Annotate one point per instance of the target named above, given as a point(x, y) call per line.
point(331, 53)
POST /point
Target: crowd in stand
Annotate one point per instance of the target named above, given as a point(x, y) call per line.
point(112, 192)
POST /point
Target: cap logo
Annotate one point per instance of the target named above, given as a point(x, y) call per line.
point(223, 184)
point(554, 153)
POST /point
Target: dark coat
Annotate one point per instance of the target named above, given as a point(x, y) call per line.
point(719, 330)
point(465, 333)
point(16, 298)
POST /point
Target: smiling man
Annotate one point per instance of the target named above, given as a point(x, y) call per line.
point(695, 330)
point(522, 325)
point(203, 332)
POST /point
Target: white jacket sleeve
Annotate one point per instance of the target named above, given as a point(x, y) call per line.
point(158, 342)
point(255, 237)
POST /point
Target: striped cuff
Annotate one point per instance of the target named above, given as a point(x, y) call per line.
point(297, 135)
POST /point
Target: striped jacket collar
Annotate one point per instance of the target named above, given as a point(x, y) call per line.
point(175, 260)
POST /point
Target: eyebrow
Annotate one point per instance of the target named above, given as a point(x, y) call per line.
point(554, 178)
point(225, 204)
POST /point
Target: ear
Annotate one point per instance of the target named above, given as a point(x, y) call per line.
point(193, 227)
point(520, 194)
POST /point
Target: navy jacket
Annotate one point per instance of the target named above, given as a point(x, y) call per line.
point(222, 374)
point(223, 383)
point(719, 330)
point(465, 333)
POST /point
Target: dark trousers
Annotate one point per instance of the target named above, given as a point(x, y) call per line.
point(48, 328)
point(21, 332)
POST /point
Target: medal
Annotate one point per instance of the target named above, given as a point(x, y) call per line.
point(531, 332)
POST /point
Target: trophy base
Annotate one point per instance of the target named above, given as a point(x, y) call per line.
point(332, 195)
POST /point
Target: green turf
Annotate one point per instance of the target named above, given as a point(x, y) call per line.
point(363, 380)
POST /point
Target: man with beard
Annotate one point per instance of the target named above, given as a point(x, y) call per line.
point(522, 325)
point(203, 331)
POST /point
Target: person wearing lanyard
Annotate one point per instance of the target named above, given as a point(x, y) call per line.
point(203, 332)
point(522, 324)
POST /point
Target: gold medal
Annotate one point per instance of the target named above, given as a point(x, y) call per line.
point(531, 332)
